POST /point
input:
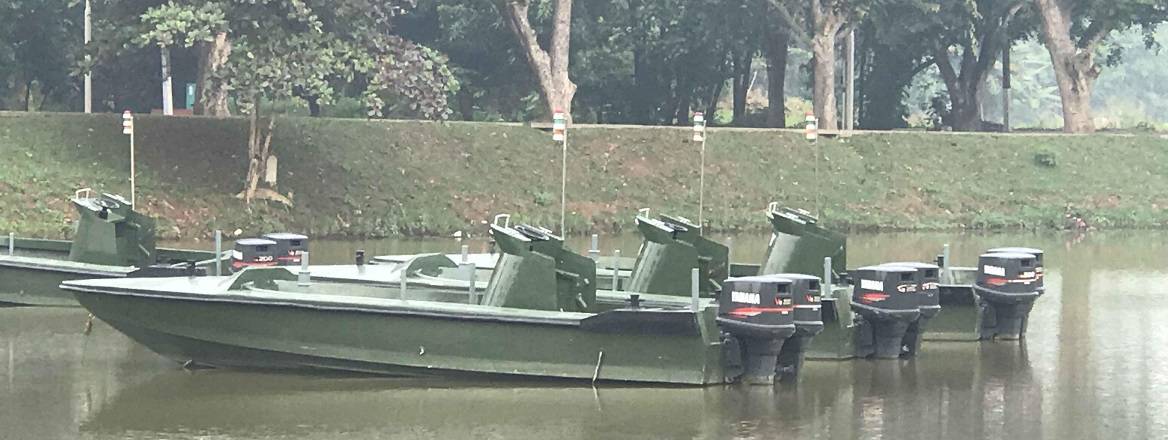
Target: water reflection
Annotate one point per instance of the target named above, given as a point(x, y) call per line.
point(1090, 368)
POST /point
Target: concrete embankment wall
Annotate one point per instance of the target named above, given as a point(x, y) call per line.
point(383, 178)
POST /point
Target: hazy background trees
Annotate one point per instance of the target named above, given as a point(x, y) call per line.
point(1076, 65)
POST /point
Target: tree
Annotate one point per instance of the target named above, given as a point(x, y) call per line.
point(36, 55)
point(820, 25)
point(308, 49)
point(549, 66)
point(776, 47)
point(1073, 31)
point(187, 25)
point(894, 44)
point(973, 36)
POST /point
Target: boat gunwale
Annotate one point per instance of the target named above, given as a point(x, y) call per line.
point(65, 266)
point(404, 307)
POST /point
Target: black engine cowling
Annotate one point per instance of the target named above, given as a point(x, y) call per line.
point(758, 311)
point(1007, 284)
point(887, 297)
point(253, 252)
point(289, 247)
point(928, 297)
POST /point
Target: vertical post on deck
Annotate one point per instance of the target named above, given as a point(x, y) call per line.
point(303, 276)
point(218, 252)
point(694, 278)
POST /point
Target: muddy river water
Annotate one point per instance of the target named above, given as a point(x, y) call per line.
point(1094, 365)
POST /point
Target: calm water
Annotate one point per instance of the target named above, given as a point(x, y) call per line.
point(1092, 367)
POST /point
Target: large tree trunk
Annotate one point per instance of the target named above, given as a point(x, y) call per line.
point(823, 83)
point(1074, 64)
point(777, 47)
point(964, 91)
point(466, 102)
point(978, 54)
point(712, 104)
point(212, 90)
point(886, 72)
point(549, 66)
point(742, 64)
point(827, 23)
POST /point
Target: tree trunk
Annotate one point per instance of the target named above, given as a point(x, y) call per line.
point(827, 23)
point(466, 103)
point(964, 93)
point(742, 66)
point(886, 72)
point(1074, 64)
point(313, 106)
point(823, 84)
point(167, 84)
point(777, 47)
point(28, 96)
point(712, 106)
point(549, 66)
point(683, 104)
point(212, 90)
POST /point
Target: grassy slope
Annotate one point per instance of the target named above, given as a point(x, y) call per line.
point(379, 178)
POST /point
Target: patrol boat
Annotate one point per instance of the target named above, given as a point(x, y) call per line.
point(539, 316)
point(111, 240)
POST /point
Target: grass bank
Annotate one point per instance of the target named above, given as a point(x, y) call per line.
point(381, 178)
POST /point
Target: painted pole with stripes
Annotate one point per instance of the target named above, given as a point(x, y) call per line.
point(699, 135)
point(560, 134)
point(128, 129)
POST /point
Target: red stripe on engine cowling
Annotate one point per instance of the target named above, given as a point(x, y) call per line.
point(752, 311)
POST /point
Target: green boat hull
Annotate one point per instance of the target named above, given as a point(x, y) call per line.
point(32, 275)
point(40, 286)
point(408, 338)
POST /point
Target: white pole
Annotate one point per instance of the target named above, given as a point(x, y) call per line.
point(827, 273)
point(564, 183)
point(850, 71)
point(694, 280)
point(702, 188)
point(218, 252)
point(699, 134)
point(133, 173)
point(303, 277)
point(167, 88)
point(88, 76)
point(560, 134)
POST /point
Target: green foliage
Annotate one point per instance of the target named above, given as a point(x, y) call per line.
point(1045, 159)
point(39, 40)
point(184, 24)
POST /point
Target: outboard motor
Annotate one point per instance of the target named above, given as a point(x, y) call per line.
point(671, 249)
point(110, 232)
point(885, 296)
point(251, 252)
point(756, 314)
point(1007, 285)
point(799, 245)
point(928, 293)
point(808, 318)
point(535, 271)
point(1039, 271)
point(289, 247)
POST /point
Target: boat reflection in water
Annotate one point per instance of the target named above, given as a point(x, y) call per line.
point(957, 391)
